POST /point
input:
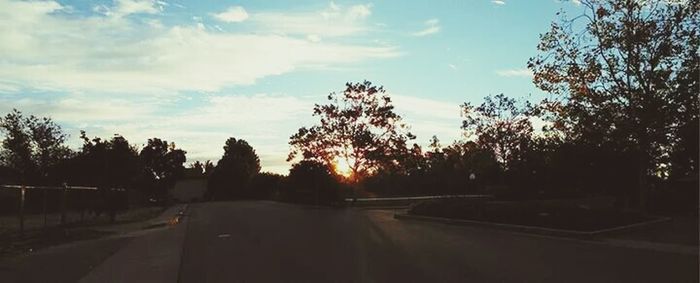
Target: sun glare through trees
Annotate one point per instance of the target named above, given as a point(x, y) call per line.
point(342, 167)
point(318, 139)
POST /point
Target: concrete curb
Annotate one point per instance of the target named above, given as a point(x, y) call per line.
point(532, 229)
point(169, 216)
point(588, 237)
point(396, 207)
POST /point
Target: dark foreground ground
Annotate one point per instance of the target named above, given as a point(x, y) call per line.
point(273, 242)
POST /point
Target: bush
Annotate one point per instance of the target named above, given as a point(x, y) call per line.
point(312, 182)
point(265, 186)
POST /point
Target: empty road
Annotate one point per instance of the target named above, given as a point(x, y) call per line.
point(261, 241)
point(272, 242)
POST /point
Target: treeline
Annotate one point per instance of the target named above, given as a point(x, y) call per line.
point(237, 176)
point(620, 118)
point(34, 152)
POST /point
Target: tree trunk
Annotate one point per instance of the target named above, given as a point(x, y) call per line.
point(643, 193)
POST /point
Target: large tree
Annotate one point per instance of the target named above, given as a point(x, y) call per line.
point(358, 127)
point(500, 125)
point(32, 145)
point(106, 163)
point(234, 171)
point(624, 74)
point(162, 163)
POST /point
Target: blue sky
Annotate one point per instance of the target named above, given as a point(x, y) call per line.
point(198, 72)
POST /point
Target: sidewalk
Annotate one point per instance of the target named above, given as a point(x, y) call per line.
point(152, 257)
point(69, 262)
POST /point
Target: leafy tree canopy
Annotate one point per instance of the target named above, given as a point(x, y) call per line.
point(32, 146)
point(162, 163)
point(234, 171)
point(500, 125)
point(359, 127)
point(625, 74)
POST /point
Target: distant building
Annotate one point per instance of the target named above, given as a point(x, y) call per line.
point(191, 187)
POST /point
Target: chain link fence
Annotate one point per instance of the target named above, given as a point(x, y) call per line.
point(24, 207)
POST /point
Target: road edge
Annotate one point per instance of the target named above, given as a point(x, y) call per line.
point(592, 237)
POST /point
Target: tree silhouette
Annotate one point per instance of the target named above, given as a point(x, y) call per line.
point(17, 144)
point(106, 164)
point(208, 167)
point(358, 127)
point(110, 163)
point(162, 163)
point(198, 166)
point(265, 185)
point(500, 125)
point(234, 171)
point(312, 181)
point(32, 146)
point(624, 75)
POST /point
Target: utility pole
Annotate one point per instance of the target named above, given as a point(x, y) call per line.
point(22, 193)
point(63, 204)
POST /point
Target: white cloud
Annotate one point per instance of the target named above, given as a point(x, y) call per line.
point(431, 26)
point(514, 73)
point(110, 73)
point(235, 14)
point(264, 120)
point(359, 12)
point(126, 7)
point(498, 2)
point(118, 54)
point(452, 66)
point(6, 87)
point(313, 38)
point(428, 117)
point(576, 2)
point(334, 21)
point(123, 8)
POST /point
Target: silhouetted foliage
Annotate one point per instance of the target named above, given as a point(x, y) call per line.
point(106, 164)
point(234, 171)
point(624, 77)
point(359, 126)
point(312, 181)
point(208, 167)
point(266, 186)
point(441, 171)
point(198, 166)
point(500, 125)
point(32, 146)
point(162, 164)
point(103, 163)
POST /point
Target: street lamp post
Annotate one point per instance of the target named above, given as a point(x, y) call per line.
point(472, 177)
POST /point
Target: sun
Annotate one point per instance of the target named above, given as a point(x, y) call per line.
point(342, 167)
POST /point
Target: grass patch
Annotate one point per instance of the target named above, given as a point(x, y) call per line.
point(36, 240)
point(37, 237)
point(577, 218)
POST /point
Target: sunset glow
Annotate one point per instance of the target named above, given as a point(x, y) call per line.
point(342, 167)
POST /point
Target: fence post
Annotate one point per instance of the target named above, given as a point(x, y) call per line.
point(63, 204)
point(21, 211)
point(44, 208)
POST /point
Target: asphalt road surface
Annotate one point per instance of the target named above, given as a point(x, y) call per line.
point(274, 242)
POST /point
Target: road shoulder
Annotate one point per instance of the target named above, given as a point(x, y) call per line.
point(538, 232)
